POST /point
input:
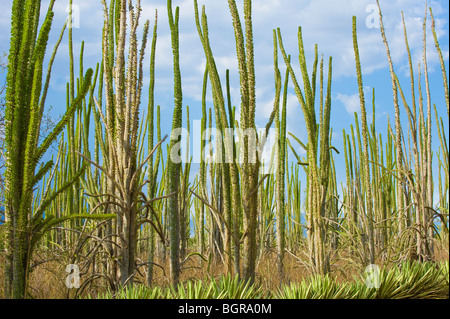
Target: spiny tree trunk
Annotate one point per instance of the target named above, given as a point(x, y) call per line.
point(152, 167)
point(365, 133)
point(174, 163)
point(250, 165)
point(398, 129)
point(280, 122)
point(123, 86)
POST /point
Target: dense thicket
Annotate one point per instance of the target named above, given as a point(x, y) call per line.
point(119, 199)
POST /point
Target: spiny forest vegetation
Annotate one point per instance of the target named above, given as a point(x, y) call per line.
point(113, 197)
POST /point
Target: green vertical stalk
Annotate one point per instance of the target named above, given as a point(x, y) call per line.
point(23, 113)
point(173, 177)
point(152, 170)
point(250, 165)
point(441, 60)
point(429, 156)
point(318, 154)
point(225, 149)
point(398, 128)
point(280, 123)
point(202, 172)
point(365, 135)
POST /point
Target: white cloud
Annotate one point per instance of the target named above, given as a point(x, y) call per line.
point(325, 22)
point(336, 137)
point(350, 102)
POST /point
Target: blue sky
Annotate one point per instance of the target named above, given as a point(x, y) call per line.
point(325, 22)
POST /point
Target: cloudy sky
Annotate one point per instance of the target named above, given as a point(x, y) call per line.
point(327, 23)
